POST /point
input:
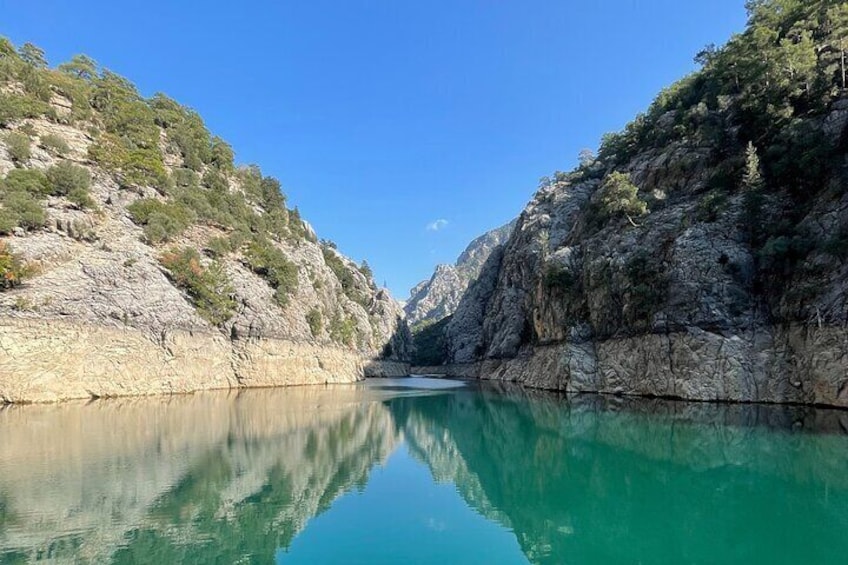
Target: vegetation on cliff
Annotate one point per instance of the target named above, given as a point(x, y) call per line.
point(758, 102)
point(82, 148)
point(764, 116)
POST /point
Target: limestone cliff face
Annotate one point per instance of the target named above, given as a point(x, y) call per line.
point(103, 317)
point(682, 301)
point(438, 297)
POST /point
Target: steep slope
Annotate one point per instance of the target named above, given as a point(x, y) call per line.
point(702, 253)
point(136, 258)
point(436, 298)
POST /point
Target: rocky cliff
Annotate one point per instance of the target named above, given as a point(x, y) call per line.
point(136, 258)
point(701, 254)
point(436, 298)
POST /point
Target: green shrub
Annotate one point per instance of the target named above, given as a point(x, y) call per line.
point(620, 197)
point(219, 246)
point(14, 107)
point(711, 206)
point(185, 178)
point(222, 155)
point(161, 220)
point(343, 329)
point(32, 181)
point(19, 147)
point(71, 181)
point(8, 221)
point(134, 166)
point(559, 277)
point(23, 210)
point(208, 287)
point(12, 269)
point(54, 144)
point(185, 129)
point(315, 321)
point(270, 263)
point(780, 254)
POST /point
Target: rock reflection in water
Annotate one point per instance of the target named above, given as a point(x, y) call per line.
point(213, 477)
point(594, 479)
point(234, 477)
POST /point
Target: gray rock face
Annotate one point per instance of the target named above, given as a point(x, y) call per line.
point(676, 303)
point(437, 298)
point(98, 280)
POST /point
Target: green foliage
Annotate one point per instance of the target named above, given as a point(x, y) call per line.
point(711, 206)
point(270, 263)
point(127, 141)
point(138, 166)
point(752, 179)
point(130, 146)
point(54, 144)
point(366, 271)
point(559, 277)
point(20, 200)
point(21, 209)
point(80, 67)
point(429, 346)
point(31, 181)
point(620, 197)
point(162, 221)
point(781, 253)
point(15, 107)
point(185, 178)
point(344, 275)
point(72, 181)
point(343, 329)
point(21, 193)
point(13, 270)
point(316, 321)
point(18, 146)
point(219, 247)
point(185, 129)
point(222, 155)
point(32, 55)
point(646, 289)
point(208, 287)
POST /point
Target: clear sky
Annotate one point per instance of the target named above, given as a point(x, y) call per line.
point(384, 117)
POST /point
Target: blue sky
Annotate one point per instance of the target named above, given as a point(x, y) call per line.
point(385, 117)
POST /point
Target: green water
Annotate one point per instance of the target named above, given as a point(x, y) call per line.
point(420, 471)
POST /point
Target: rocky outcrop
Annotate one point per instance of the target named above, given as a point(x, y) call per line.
point(687, 301)
point(438, 297)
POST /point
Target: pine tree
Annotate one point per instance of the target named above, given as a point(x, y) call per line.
point(80, 66)
point(752, 179)
point(33, 55)
point(837, 20)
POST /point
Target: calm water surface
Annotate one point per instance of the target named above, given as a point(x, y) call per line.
point(420, 471)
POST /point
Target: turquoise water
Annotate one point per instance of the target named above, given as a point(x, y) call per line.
point(421, 471)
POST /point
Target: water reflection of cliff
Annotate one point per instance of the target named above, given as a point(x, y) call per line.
point(595, 480)
point(209, 478)
point(233, 477)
